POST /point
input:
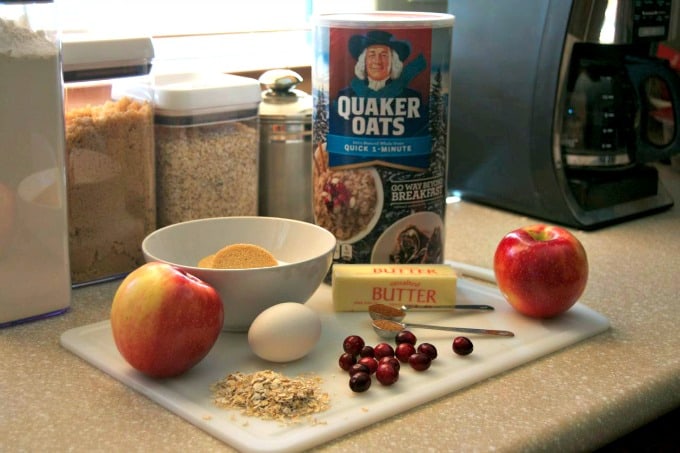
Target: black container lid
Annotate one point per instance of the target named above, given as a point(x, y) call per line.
point(88, 58)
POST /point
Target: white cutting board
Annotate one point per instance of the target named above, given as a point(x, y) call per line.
point(189, 395)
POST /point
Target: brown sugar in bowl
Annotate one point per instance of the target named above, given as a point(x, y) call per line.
point(242, 256)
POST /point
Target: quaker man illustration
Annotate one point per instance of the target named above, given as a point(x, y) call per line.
point(377, 116)
point(380, 69)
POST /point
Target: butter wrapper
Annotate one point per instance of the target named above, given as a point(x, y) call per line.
point(356, 286)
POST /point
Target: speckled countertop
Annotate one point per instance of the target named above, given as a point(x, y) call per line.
point(576, 399)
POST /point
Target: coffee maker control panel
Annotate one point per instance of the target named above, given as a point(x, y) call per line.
point(650, 19)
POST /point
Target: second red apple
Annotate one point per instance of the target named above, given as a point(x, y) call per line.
point(541, 270)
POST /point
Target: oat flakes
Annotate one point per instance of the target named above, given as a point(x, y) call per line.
point(270, 395)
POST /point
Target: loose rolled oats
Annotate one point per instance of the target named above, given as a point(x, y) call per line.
point(270, 395)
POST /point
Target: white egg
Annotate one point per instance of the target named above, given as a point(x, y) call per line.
point(284, 332)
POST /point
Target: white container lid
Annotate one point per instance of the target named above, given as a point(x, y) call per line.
point(89, 57)
point(197, 93)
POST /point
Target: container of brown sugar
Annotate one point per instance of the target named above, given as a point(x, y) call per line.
point(110, 154)
point(207, 146)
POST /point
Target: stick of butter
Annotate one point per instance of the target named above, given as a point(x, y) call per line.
point(356, 286)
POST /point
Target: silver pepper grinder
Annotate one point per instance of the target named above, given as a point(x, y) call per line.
point(285, 176)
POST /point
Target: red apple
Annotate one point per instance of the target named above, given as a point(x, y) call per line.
point(165, 321)
point(541, 270)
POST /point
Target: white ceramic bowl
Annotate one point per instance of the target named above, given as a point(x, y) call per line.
point(304, 252)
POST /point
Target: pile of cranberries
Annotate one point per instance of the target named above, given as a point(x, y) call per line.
point(384, 361)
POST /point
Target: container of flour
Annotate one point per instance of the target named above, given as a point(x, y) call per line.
point(34, 261)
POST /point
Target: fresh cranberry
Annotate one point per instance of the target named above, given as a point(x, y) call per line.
point(360, 382)
point(359, 368)
point(370, 362)
point(429, 349)
point(386, 374)
point(462, 345)
point(353, 344)
point(404, 351)
point(383, 350)
point(367, 351)
point(406, 336)
point(346, 360)
point(392, 361)
point(419, 361)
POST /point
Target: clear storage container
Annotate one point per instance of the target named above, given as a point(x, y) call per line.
point(110, 154)
point(207, 145)
point(34, 262)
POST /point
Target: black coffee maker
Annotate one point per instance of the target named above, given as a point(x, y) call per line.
point(559, 109)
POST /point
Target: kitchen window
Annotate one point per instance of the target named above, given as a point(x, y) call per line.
point(209, 34)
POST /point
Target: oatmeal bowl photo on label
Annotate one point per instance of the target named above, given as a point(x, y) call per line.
point(347, 202)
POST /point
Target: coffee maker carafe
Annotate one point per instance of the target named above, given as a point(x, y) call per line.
point(607, 119)
point(559, 110)
point(612, 91)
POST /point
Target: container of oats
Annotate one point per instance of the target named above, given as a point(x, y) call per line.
point(380, 134)
point(111, 184)
point(207, 146)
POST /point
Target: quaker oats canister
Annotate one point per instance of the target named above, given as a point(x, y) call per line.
point(380, 85)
